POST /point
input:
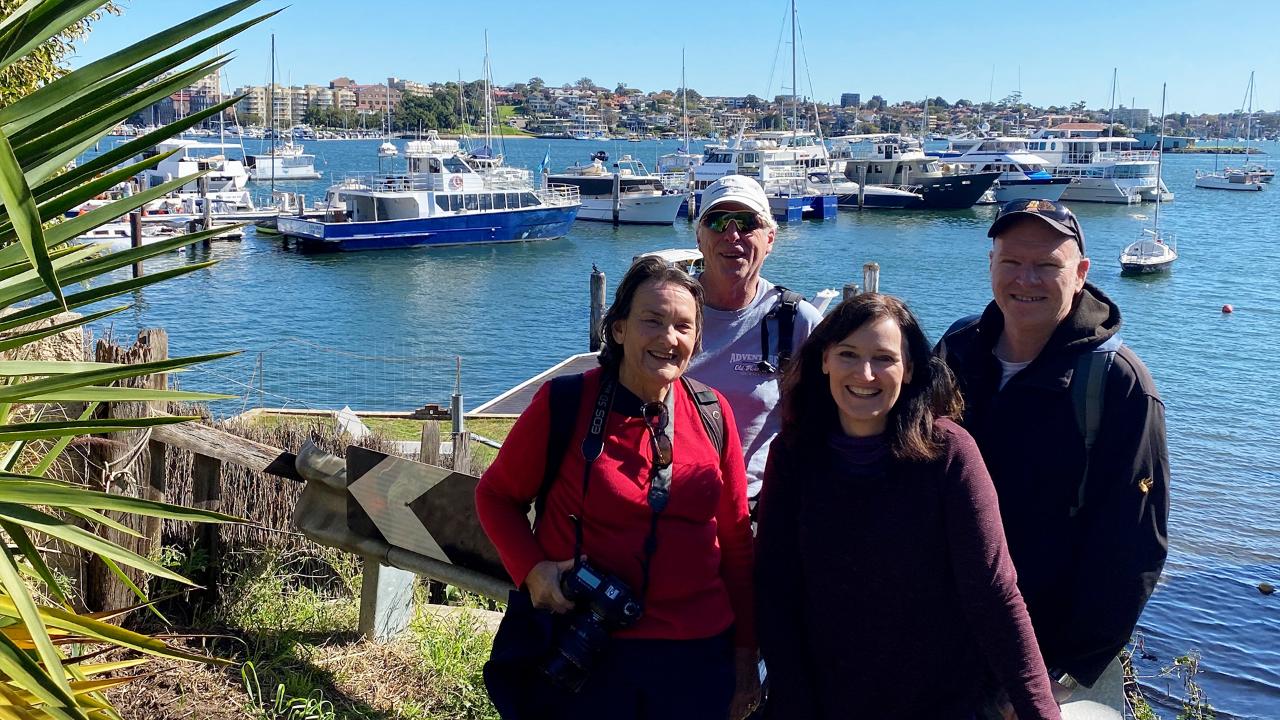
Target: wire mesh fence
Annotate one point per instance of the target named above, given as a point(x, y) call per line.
point(298, 374)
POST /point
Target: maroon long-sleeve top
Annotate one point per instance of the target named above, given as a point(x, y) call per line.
point(700, 576)
point(885, 588)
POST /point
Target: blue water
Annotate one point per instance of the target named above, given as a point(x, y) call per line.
point(384, 330)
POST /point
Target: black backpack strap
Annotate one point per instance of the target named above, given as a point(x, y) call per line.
point(708, 404)
point(963, 323)
point(565, 396)
point(786, 310)
point(1088, 398)
point(785, 315)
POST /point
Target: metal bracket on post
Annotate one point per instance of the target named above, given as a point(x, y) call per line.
point(386, 601)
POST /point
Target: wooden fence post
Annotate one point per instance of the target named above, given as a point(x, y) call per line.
point(429, 448)
point(206, 494)
point(122, 465)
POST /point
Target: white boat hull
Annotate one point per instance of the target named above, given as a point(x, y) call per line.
point(1006, 193)
point(1218, 182)
point(1106, 190)
point(263, 174)
point(642, 210)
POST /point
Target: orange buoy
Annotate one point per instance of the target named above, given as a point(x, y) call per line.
point(1227, 309)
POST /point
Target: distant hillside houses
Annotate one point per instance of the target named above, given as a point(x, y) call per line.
point(541, 108)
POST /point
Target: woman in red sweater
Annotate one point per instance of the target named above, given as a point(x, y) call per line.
point(692, 651)
point(885, 588)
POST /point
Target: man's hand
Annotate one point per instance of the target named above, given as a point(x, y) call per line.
point(543, 584)
point(746, 692)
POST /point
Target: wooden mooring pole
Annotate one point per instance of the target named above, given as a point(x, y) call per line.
point(617, 194)
point(135, 238)
point(871, 277)
point(596, 332)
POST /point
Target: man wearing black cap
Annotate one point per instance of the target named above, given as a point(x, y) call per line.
point(1072, 430)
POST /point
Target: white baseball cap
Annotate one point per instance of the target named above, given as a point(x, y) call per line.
point(736, 188)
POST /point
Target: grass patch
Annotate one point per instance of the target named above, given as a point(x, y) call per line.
point(299, 655)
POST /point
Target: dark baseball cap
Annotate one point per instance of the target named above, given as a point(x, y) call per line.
point(1054, 214)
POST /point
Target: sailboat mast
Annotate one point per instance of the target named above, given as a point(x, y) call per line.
point(795, 100)
point(273, 114)
point(462, 107)
point(1160, 158)
point(488, 96)
point(1248, 122)
point(1111, 116)
point(684, 102)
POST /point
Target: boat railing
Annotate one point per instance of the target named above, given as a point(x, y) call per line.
point(678, 181)
point(1128, 156)
point(786, 179)
point(560, 195)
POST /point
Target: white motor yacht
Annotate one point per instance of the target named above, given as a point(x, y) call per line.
point(1102, 168)
point(1022, 173)
point(227, 173)
point(642, 198)
point(285, 162)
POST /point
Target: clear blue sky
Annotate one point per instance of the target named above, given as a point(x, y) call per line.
point(1056, 53)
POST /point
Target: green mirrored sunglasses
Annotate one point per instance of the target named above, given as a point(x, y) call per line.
point(718, 221)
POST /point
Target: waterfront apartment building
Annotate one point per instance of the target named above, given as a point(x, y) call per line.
point(1134, 118)
point(408, 86)
point(850, 100)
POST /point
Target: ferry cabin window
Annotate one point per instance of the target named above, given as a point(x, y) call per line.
point(455, 165)
point(471, 202)
point(499, 201)
point(527, 199)
point(442, 202)
point(433, 165)
point(513, 200)
point(486, 201)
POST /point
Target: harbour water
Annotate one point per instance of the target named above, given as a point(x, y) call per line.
point(383, 330)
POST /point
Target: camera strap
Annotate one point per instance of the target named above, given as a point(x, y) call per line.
point(659, 489)
point(659, 480)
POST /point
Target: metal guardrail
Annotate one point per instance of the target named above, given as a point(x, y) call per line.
point(560, 195)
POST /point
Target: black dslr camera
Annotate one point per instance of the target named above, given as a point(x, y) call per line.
point(603, 604)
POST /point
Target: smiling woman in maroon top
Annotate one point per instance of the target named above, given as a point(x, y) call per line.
point(883, 581)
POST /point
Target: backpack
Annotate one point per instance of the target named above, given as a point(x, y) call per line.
point(1088, 391)
point(566, 392)
point(785, 314)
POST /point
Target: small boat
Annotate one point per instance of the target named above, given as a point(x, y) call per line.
point(388, 150)
point(1229, 180)
point(642, 198)
point(873, 196)
point(285, 162)
point(1154, 251)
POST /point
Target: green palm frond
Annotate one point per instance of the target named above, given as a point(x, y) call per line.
point(43, 275)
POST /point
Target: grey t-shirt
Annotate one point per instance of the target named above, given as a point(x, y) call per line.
point(728, 363)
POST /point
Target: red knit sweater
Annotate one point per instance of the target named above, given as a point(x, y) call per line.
point(701, 574)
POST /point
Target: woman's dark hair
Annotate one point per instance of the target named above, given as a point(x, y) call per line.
point(809, 412)
point(642, 271)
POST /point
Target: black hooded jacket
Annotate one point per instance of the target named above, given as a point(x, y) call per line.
point(1085, 578)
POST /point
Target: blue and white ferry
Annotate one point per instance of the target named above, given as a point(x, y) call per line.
point(438, 200)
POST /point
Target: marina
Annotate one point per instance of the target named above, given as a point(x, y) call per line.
point(382, 330)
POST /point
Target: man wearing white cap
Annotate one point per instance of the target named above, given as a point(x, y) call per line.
point(751, 327)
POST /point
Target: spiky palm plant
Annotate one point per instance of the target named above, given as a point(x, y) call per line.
point(41, 275)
